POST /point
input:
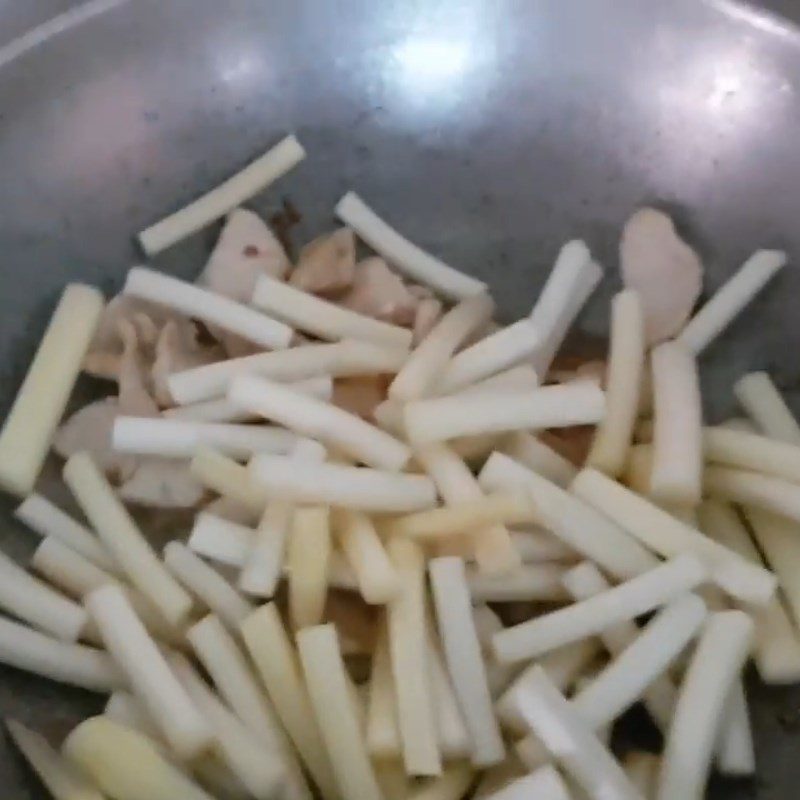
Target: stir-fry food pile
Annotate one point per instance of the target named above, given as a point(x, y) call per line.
point(431, 557)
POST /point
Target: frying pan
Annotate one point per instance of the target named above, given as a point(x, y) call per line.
point(488, 132)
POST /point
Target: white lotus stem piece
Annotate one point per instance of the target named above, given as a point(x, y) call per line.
point(125, 764)
point(735, 753)
point(120, 534)
point(171, 438)
point(203, 304)
point(537, 545)
point(276, 660)
point(337, 360)
point(570, 284)
point(32, 601)
point(625, 367)
point(469, 414)
point(452, 784)
point(573, 521)
point(206, 584)
point(229, 479)
point(47, 519)
point(751, 451)
point(220, 539)
point(264, 562)
point(529, 582)
point(777, 644)
point(624, 602)
point(230, 194)
point(320, 420)
point(407, 645)
point(677, 472)
point(642, 769)
point(544, 784)
point(124, 708)
point(152, 680)
point(765, 492)
point(41, 400)
point(464, 660)
point(324, 319)
point(307, 555)
point(513, 379)
point(425, 365)
point(764, 404)
point(730, 299)
point(539, 457)
point(383, 728)
point(73, 664)
point(714, 668)
point(404, 256)
point(357, 488)
point(570, 741)
point(668, 536)
point(327, 683)
point(489, 356)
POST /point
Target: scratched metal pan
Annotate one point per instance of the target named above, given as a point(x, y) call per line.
point(489, 132)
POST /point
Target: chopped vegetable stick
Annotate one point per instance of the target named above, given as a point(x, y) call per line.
point(751, 451)
point(779, 541)
point(486, 358)
point(625, 366)
point(324, 319)
point(466, 414)
point(320, 420)
point(338, 360)
point(307, 555)
point(264, 561)
point(124, 708)
point(203, 304)
point(677, 446)
point(40, 402)
point(464, 660)
point(453, 784)
point(639, 469)
point(764, 404)
point(647, 658)
point(585, 581)
point(122, 537)
point(220, 540)
point(735, 753)
point(77, 576)
point(227, 478)
point(543, 784)
point(357, 488)
point(404, 256)
point(492, 544)
point(382, 731)
point(714, 668)
point(42, 516)
point(205, 583)
point(571, 519)
point(410, 669)
point(668, 536)
point(127, 765)
point(389, 416)
point(625, 601)
point(277, 663)
point(172, 438)
point(642, 770)
point(222, 410)
point(233, 678)
point(260, 772)
point(234, 191)
point(59, 776)
point(377, 578)
point(528, 582)
point(536, 544)
point(420, 373)
point(139, 658)
point(32, 601)
point(571, 282)
point(73, 664)
point(513, 379)
point(567, 737)
point(540, 457)
point(454, 739)
point(730, 299)
point(327, 682)
point(500, 507)
point(777, 644)
point(562, 666)
point(765, 492)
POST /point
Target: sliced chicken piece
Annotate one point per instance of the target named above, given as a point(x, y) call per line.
point(666, 272)
point(378, 292)
point(327, 265)
point(246, 249)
